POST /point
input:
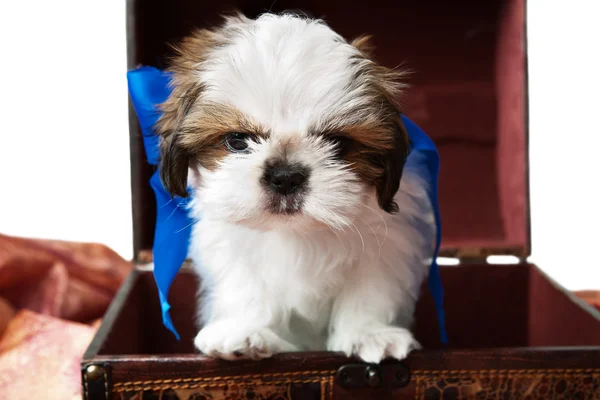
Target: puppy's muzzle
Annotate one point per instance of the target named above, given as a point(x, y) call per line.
point(285, 179)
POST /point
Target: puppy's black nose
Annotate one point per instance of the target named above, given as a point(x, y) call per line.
point(285, 179)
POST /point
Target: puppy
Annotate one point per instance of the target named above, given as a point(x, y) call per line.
point(311, 234)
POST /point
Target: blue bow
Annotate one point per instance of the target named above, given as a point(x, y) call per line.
point(148, 87)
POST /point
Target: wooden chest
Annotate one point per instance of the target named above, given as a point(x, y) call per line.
point(514, 333)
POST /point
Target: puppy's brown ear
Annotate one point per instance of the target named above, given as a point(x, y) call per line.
point(393, 166)
point(364, 44)
point(174, 158)
point(173, 167)
point(390, 87)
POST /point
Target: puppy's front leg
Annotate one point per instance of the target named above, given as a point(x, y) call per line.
point(371, 316)
point(239, 323)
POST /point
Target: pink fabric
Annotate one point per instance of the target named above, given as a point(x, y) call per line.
point(592, 297)
point(52, 296)
point(40, 357)
point(74, 281)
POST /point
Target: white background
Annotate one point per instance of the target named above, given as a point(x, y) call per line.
point(64, 149)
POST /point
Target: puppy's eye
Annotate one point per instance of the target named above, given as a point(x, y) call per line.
point(342, 144)
point(237, 142)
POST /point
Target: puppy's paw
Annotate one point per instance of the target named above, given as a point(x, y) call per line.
point(374, 345)
point(231, 343)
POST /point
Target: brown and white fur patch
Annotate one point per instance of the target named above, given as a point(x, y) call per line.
point(311, 233)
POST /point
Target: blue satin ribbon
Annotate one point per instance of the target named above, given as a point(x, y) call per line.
point(148, 87)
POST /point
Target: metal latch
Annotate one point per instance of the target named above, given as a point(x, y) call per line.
point(355, 376)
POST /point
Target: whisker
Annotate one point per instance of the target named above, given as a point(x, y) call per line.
point(167, 203)
point(173, 212)
point(340, 239)
point(371, 228)
point(376, 238)
point(382, 220)
point(361, 237)
point(187, 226)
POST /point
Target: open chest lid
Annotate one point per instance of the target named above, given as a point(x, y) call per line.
point(468, 93)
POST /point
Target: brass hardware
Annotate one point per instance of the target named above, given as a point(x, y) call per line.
point(372, 377)
point(96, 381)
point(94, 373)
point(365, 376)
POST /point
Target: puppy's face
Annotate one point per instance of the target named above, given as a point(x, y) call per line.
point(280, 122)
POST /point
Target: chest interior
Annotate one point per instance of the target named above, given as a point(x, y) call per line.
point(486, 307)
point(468, 93)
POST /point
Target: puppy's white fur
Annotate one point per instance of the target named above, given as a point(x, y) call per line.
point(341, 275)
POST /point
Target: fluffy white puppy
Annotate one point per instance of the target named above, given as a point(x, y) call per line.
point(311, 233)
